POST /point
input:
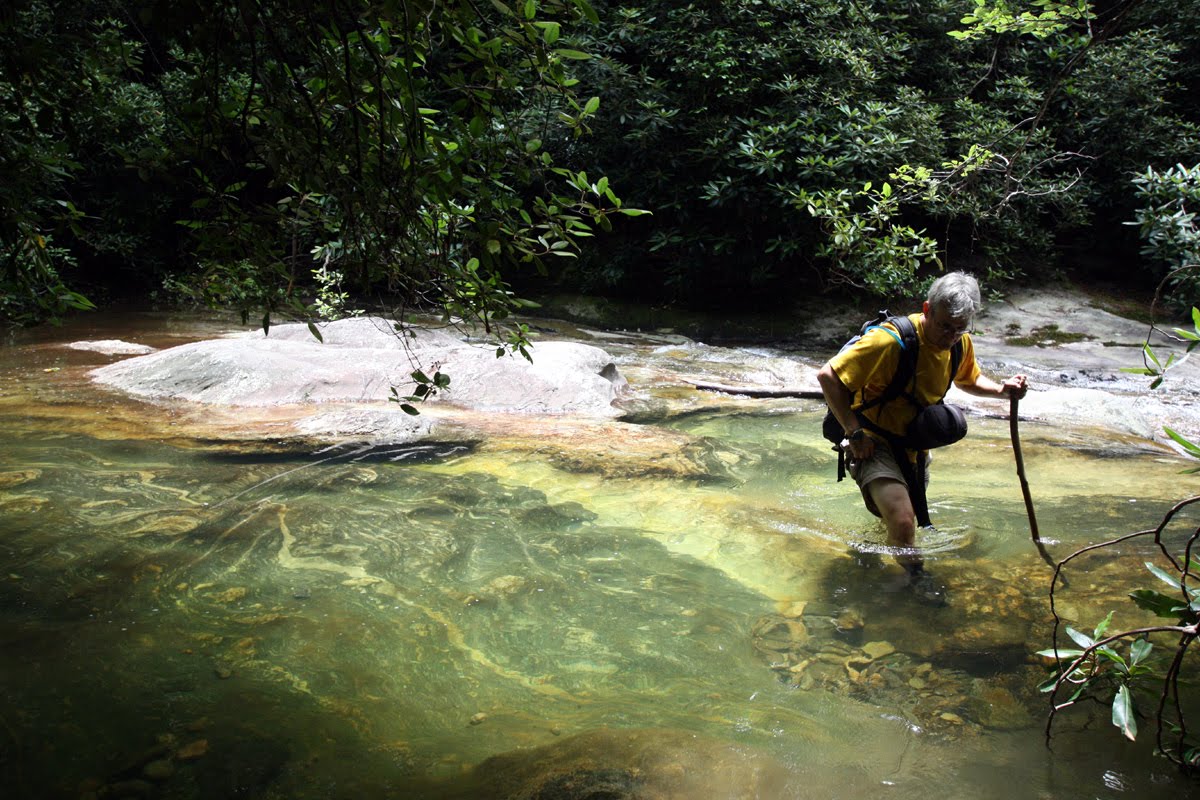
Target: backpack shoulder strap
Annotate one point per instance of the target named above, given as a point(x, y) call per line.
point(956, 356)
point(906, 336)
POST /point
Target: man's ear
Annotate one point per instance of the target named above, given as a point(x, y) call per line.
point(925, 308)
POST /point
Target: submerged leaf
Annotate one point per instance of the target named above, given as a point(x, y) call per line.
point(1156, 602)
point(1123, 714)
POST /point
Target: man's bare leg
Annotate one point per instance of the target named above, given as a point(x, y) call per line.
point(891, 498)
point(895, 507)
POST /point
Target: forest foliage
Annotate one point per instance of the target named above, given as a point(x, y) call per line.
point(280, 157)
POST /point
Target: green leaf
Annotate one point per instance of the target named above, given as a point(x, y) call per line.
point(1081, 639)
point(591, 106)
point(1191, 447)
point(312, 328)
point(1139, 650)
point(586, 9)
point(1062, 655)
point(1113, 656)
point(1163, 576)
point(1123, 715)
point(420, 377)
point(1103, 626)
point(574, 55)
point(530, 9)
point(1150, 354)
point(1156, 602)
point(410, 410)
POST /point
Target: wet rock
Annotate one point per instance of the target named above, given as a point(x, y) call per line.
point(193, 750)
point(159, 770)
point(556, 517)
point(17, 477)
point(478, 719)
point(241, 766)
point(775, 634)
point(849, 620)
point(793, 610)
point(111, 347)
point(633, 764)
point(998, 708)
point(231, 595)
point(586, 784)
point(506, 585)
point(130, 788)
point(359, 360)
point(876, 650)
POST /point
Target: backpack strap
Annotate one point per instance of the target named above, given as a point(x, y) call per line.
point(905, 334)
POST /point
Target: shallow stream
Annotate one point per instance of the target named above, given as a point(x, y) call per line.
point(185, 616)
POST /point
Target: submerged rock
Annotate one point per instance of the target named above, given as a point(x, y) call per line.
point(632, 765)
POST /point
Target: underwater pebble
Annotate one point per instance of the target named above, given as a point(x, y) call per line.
point(478, 718)
point(793, 610)
point(158, 770)
point(849, 619)
point(132, 788)
point(193, 750)
point(878, 649)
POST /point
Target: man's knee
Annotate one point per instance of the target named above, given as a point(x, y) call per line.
point(892, 500)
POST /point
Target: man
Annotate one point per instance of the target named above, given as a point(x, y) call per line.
point(861, 373)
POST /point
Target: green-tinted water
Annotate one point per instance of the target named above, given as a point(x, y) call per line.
point(227, 621)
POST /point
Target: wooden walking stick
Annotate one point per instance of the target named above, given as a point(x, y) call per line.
point(1016, 444)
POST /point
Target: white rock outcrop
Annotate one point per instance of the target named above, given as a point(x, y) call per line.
point(360, 360)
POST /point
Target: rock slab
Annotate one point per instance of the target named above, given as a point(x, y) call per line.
point(361, 360)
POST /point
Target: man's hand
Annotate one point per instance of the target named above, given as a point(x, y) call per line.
point(861, 448)
point(1016, 386)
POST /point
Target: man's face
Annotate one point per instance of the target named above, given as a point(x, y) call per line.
point(942, 330)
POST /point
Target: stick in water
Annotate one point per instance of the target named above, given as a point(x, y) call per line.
point(1016, 444)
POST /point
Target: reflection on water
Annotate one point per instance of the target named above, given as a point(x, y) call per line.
point(191, 619)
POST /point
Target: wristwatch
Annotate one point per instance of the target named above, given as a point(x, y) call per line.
point(856, 434)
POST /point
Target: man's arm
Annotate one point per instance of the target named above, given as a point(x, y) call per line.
point(838, 397)
point(1016, 386)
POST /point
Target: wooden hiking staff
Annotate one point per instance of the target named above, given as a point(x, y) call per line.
point(1016, 445)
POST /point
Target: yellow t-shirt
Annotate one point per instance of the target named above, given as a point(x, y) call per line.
point(866, 368)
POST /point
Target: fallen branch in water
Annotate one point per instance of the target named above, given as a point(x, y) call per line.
point(757, 391)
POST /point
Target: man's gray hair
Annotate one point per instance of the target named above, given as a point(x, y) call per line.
point(956, 294)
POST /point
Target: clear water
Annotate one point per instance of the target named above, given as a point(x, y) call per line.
point(272, 621)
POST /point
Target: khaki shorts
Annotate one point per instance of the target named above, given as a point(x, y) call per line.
point(880, 465)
